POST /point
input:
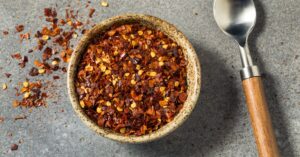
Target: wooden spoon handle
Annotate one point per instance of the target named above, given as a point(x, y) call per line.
point(260, 117)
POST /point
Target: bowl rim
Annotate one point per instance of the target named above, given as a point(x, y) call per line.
point(193, 69)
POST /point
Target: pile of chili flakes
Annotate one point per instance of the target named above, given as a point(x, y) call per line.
point(53, 41)
point(132, 79)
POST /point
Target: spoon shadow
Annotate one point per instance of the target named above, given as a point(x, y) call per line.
point(212, 119)
point(271, 90)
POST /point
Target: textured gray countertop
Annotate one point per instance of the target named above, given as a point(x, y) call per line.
point(219, 126)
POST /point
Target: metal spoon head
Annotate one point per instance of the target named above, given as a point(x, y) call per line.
point(236, 18)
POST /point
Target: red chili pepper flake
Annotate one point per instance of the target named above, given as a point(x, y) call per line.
point(16, 56)
point(25, 36)
point(50, 12)
point(19, 28)
point(5, 32)
point(64, 69)
point(55, 77)
point(20, 117)
point(1, 119)
point(7, 75)
point(22, 64)
point(92, 11)
point(47, 53)
point(14, 147)
point(132, 79)
point(34, 71)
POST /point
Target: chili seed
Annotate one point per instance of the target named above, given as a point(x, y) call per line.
point(42, 71)
point(82, 104)
point(152, 73)
point(133, 105)
point(4, 86)
point(26, 94)
point(45, 37)
point(104, 4)
point(152, 54)
point(140, 32)
point(99, 110)
point(122, 130)
point(54, 62)
point(165, 46)
point(176, 84)
point(108, 103)
point(126, 74)
point(25, 84)
point(133, 82)
point(119, 109)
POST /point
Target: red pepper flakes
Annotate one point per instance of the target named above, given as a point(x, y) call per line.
point(54, 42)
point(47, 53)
point(20, 117)
point(25, 36)
point(7, 75)
point(22, 64)
point(5, 32)
point(1, 119)
point(50, 12)
point(19, 28)
point(64, 69)
point(92, 11)
point(14, 147)
point(55, 77)
point(16, 56)
point(32, 95)
point(34, 71)
point(132, 79)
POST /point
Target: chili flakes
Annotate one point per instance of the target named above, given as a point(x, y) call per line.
point(19, 28)
point(132, 79)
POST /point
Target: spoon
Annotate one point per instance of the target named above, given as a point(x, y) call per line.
point(236, 18)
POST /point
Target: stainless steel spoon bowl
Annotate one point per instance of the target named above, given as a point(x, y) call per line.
point(236, 18)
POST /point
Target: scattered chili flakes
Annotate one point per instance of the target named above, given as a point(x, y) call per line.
point(20, 117)
point(14, 147)
point(25, 36)
point(64, 69)
point(16, 56)
point(135, 86)
point(47, 53)
point(34, 71)
point(54, 42)
point(32, 95)
point(15, 103)
point(22, 64)
point(5, 32)
point(7, 75)
point(92, 11)
point(19, 28)
point(55, 77)
point(1, 119)
point(50, 12)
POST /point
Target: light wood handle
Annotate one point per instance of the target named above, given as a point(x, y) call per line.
point(260, 117)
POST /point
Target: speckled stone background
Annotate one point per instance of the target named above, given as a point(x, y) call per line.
point(218, 127)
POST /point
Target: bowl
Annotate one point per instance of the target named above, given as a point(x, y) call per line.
point(193, 75)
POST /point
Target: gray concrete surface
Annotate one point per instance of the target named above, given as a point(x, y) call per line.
point(218, 127)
